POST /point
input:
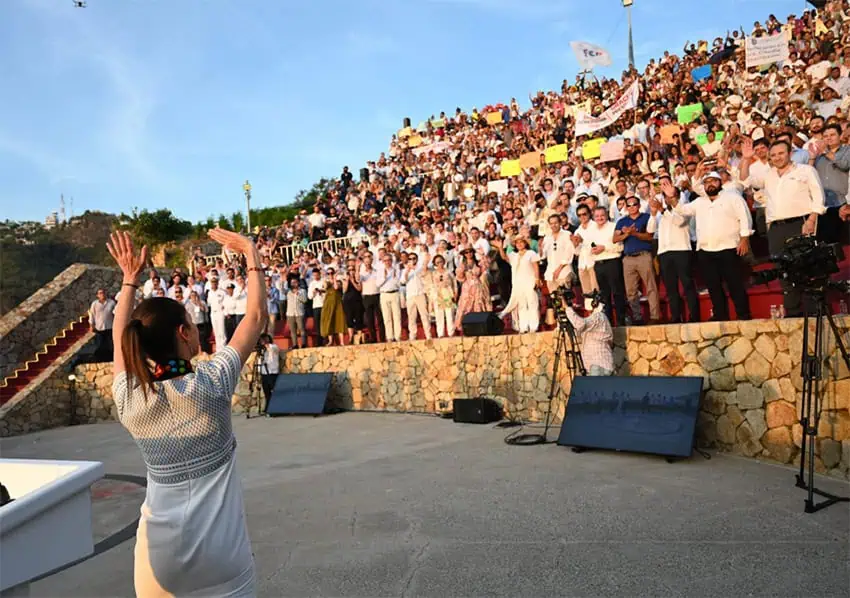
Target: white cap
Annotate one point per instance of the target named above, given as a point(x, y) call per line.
point(712, 175)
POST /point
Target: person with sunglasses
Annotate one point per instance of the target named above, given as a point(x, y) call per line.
point(637, 260)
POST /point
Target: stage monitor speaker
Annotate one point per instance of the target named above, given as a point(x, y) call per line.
point(481, 323)
point(642, 414)
point(479, 410)
point(407, 122)
point(300, 394)
point(364, 174)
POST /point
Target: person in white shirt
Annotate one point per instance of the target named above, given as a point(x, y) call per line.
point(586, 273)
point(296, 299)
point(153, 280)
point(795, 199)
point(558, 250)
point(479, 243)
point(215, 300)
point(388, 282)
point(178, 294)
point(524, 303)
point(417, 305)
point(317, 223)
point(229, 304)
point(608, 263)
point(197, 310)
point(269, 370)
point(316, 293)
point(101, 313)
point(371, 298)
point(675, 255)
point(723, 228)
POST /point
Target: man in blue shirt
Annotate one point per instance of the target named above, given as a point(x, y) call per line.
point(637, 261)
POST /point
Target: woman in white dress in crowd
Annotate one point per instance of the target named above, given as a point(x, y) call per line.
point(192, 538)
point(524, 304)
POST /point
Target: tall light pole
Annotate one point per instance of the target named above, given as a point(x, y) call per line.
point(247, 189)
point(628, 5)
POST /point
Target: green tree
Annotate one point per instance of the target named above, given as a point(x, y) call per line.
point(237, 220)
point(223, 222)
point(156, 228)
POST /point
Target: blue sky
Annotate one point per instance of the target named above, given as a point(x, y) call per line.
point(174, 103)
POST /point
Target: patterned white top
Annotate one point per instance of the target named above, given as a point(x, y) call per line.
point(183, 429)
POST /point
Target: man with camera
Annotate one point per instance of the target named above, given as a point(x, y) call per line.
point(269, 367)
point(595, 334)
point(795, 199)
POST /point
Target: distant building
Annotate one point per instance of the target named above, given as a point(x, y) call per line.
point(51, 221)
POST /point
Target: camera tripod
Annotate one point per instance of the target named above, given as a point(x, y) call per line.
point(812, 373)
point(575, 364)
point(255, 384)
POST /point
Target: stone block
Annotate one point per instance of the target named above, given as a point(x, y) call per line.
point(725, 430)
point(765, 346)
point(712, 359)
point(758, 369)
point(694, 369)
point(781, 365)
point(738, 351)
point(771, 390)
point(633, 352)
point(835, 425)
point(830, 452)
point(723, 342)
point(673, 333)
point(740, 373)
point(838, 396)
point(638, 333)
point(710, 330)
point(756, 419)
point(735, 415)
point(672, 363)
point(749, 397)
point(640, 368)
point(723, 379)
point(778, 443)
point(690, 333)
point(748, 329)
point(706, 432)
point(657, 334)
point(747, 440)
point(648, 350)
point(787, 325)
point(689, 352)
point(715, 402)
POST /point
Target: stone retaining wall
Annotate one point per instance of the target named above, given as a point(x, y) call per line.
point(751, 370)
point(25, 329)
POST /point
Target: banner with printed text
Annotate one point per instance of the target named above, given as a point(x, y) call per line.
point(766, 50)
point(585, 123)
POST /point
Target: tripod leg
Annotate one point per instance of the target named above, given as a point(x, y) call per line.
point(837, 333)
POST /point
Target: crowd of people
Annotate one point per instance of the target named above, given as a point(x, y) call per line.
point(434, 231)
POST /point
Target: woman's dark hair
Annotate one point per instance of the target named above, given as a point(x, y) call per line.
point(150, 336)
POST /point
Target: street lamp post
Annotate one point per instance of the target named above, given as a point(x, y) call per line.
point(628, 6)
point(247, 188)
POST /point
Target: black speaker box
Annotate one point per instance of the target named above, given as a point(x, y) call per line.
point(481, 323)
point(300, 394)
point(476, 411)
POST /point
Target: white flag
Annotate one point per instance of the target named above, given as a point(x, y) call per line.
point(590, 55)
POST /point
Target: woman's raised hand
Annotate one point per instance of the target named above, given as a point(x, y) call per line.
point(232, 241)
point(120, 246)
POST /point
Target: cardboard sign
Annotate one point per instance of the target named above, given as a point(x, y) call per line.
point(500, 187)
point(510, 168)
point(667, 132)
point(405, 132)
point(438, 123)
point(686, 114)
point(611, 151)
point(702, 138)
point(766, 50)
point(414, 141)
point(529, 160)
point(592, 148)
point(494, 118)
point(556, 153)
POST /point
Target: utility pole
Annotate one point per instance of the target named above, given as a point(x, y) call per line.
point(628, 5)
point(247, 189)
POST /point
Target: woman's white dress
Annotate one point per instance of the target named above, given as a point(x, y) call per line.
point(524, 304)
point(192, 538)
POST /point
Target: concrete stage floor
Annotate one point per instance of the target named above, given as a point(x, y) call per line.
point(401, 505)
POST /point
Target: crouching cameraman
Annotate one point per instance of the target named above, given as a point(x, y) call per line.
point(596, 338)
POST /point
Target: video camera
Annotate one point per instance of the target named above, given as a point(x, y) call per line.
point(805, 263)
point(565, 296)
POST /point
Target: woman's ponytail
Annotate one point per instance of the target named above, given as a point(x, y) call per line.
point(135, 357)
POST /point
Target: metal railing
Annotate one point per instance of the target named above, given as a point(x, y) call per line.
point(289, 252)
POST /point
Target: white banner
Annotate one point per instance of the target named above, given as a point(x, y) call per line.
point(585, 123)
point(590, 55)
point(766, 50)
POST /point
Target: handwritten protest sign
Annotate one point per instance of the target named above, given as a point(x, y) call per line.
point(686, 114)
point(414, 141)
point(667, 132)
point(702, 138)
point(766, 50)
point(438, 123)
point(510, 168)
point(405, 132)
point(591, 148)
point(611, 151)
point(701, 72)
point(494, 118)
point(556, 153)
point(499, 187)
point(574, 109)
point(530, 160)
point(436, 148)
point(586, 123)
